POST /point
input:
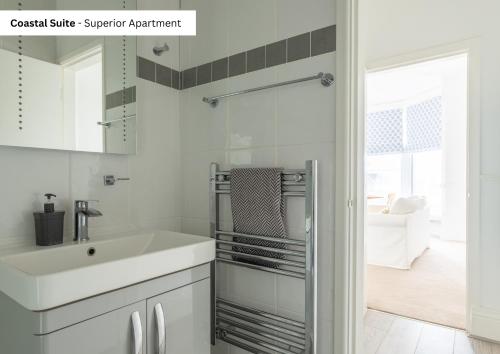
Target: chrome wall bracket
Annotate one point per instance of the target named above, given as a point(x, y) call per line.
point(110, 180)
point(327, 79)
point(158, 50)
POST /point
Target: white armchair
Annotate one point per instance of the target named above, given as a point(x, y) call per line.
point(396, 240)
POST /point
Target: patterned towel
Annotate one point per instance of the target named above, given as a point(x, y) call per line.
point(258, 208)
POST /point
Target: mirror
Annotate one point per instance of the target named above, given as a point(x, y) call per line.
point(69, 93)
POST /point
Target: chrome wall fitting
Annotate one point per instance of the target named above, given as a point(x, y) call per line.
point(158, 50)
point(110, 180)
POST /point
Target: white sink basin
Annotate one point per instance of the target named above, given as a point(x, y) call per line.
point(48, 278)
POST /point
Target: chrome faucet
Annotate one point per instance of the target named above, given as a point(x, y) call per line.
point(82, 214)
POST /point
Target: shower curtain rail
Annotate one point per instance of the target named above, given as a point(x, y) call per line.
point(327, 80)
point(250, 328)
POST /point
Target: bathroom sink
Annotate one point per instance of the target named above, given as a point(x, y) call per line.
point(47, 278)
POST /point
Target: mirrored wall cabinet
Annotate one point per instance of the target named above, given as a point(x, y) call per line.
point(69, 93)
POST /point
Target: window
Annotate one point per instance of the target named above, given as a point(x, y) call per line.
point(403, 146)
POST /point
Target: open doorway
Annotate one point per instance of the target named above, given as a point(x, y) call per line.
point(83, 99)
point(416, 190)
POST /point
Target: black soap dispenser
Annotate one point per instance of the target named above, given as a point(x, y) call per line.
point(49, 224)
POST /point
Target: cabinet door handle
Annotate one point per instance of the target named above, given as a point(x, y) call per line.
point(137, 328)
point(160, 329)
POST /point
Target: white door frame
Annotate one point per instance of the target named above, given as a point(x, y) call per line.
point(347, 321)
point(350, 203)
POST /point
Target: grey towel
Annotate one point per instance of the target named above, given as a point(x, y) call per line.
point(258, 208)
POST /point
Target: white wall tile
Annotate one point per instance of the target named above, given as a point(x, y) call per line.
point(298, 16)
point(221, 348)
point(203, 127)
point(87, 172)
point(306, 110)
point(291, 297)
point(26, 175)
point(195, 186)
point(145, 44)
point(236, 350)
point(250, 24)
point(210, 42)
point(251, 288)
point(155, 170)
point(258, 157)
point(195, 226)
point(295, 210)
point(252, 117)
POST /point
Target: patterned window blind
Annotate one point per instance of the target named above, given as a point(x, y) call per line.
point(393, 132)
point(384, 132)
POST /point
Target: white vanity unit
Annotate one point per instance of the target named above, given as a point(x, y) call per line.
point(139, 294)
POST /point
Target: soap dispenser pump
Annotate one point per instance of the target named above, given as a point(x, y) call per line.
point(48, 207)
point(49, 224)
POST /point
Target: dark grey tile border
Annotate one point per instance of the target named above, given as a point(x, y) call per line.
point(146, 69)
point(176, 79)
point(204, 74)
point(188, 78)
point(276, 53)
point(163, 75)
point(256, 59)
point(323, 40)
point(238, 64)
point(219, 69)
point(299, 47)
point(120, 98)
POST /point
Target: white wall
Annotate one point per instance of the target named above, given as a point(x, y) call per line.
point(42, 116)
point(454, 151)
point(280, 127)
point(151, 199)
point(393, 28)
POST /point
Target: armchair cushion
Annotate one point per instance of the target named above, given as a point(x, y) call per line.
point(407, 205)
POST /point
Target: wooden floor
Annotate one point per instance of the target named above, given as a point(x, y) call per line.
point(390, 334)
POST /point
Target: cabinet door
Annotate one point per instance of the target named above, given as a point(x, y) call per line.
point(110, 333)
point(186, 319)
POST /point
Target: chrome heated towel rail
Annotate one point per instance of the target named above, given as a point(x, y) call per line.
point(249, 328)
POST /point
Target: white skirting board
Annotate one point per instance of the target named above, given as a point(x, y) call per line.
point(485, 323)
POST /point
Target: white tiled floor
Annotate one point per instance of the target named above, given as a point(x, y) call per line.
point(389, 334)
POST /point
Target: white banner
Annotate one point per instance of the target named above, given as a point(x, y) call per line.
point(98, 23)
